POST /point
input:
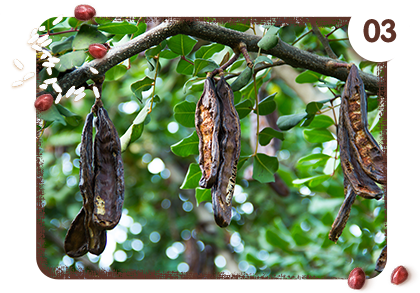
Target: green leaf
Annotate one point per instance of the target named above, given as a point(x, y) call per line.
point(267, 134)
point(181, 44)
point(184, 113)
point(118, 28)
point(317, 135)
point(70, 60)
point(372, 103)
point(308, 76)
point(168, 54)
point(313, 107)
point(287, 122)
point(313, 157)
point(321, 206)
point(244, 107)
point(192, 178)
point(52, 114)
point(242, 80)
point(206, 52)
point(275, 240)
point(203, 65)
point(86, 36)
point(238, 26)
point(264, 168)
point(184, 67)
point(61, 46)
point(187, 146)
point(115, 72)
point(140, 86)
point(267, 105)
point(136, 129)
point(312, 181)
point(321, 121)
point(202, 194)
point(71, 118)
point(268, 42)
point(242, 161)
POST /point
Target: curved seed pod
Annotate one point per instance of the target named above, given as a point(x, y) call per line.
point(76, 241)
point(230, 149)
point(84, 235)
point(362, 185)
point(344, 212)
point(109, 173)
point(366, 149)
point(207, 123)
point(242, 80)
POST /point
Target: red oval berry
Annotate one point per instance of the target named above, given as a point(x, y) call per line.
point(357, 278)
point(84, 12)
point(44, 102)
point(399, 275)
point(97, 50)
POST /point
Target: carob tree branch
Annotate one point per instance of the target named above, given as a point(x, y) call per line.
point(211, 32)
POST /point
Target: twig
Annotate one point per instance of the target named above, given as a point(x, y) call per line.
point(226, 65)
point(324, 41)
point(301, 37)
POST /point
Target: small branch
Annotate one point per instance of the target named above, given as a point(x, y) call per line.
point(224, 66)
point(60, 33)
point(335, 40)
point(265, 66)
point(334, 30)
point(244, 51)
point(301, 37)
point(323, 41)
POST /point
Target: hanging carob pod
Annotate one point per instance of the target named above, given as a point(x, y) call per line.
point(207, 124)
point(362, 184)
point(108, 173)
point(365, 149)
point(101, 185)
point(84, 235)
point(230, 149)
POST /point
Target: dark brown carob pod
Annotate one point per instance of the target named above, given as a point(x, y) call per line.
point(381, 261)
point(84, 235)
point(366, 149)
point(362, 184)
point(344, 212)
point(108, 173)
point(207, 124)
point(230, 149)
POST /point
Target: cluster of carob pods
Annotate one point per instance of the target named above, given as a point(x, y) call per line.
point(101, 185)
point(219, 132)
point(362, 160)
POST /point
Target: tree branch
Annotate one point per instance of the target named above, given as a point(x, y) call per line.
point(323, 41)
point(211, 32)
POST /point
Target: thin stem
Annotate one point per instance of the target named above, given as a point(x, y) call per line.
point(154, 84)
point(59, 33)
point(324, 41)
point(226, 65)
point(332, 108)
point(244, 51)
point(265, 66)
point(185, 59)
point(258, 115)
point(335, 40)
point(334, 30)
point(301, 37)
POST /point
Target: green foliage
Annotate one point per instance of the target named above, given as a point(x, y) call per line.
point(164, 208)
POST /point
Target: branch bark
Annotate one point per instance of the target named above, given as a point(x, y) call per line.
point(211, 32)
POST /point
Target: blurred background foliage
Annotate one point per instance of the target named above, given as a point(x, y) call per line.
point(163, 228)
